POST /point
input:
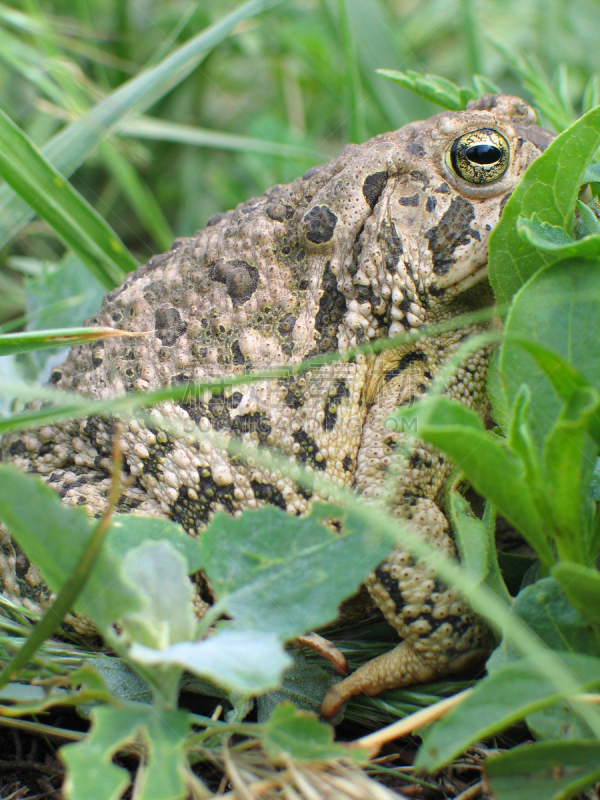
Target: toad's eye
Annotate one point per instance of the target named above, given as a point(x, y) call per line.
point(480, 157)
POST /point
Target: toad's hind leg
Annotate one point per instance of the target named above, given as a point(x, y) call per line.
point(441, 634)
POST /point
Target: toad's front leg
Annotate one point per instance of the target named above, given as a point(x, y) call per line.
point(441, 634)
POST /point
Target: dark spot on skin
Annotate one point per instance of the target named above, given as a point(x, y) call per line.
point(155, 293)
point(215, 219)
point(56, 376)
point(308, 450)
point(268, 494)
point(374, 186)
point(279, 212)
point(443, 188)
point(238, 356)
point(453, 230)
point(303, 284)
point(420, 177)
point(405, 361)
point(296, 392)
point(17, 448)
point(301, 256)
point(168, 324)
point(416, 149)
point(112, 295)
point(433, 290)
point(127, 504)
point(332, 402)
point(413, 200)
point(332, 306)
point(286, 250)
point(193, 514)
point(286, 326)
point(348, 463)
point(321, 222)
point(242, 280)
point(256, 422)
point(390, 244)
point(430, 204)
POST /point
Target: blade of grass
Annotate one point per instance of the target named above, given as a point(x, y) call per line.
point(40, 340)
point(355, 113)
point(163, 130)
point(139, 196)
point(77, 141)
point(81, 228)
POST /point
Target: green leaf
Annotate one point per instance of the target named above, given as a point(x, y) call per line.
point(286, 575)
point(437, 90)
point(476, 547)
point(91, 774)
point(499, 700)
point(581, 585)
point(587, 223)
point(34, 513)
point(556, 241)
point(78, 141)
point(549, 188)
point(497, 395)
point(555, 311)
point(129, 530)
point(492, 469)
point(569, 461)
point(592, 174)
point(301, 735)
point(544, 771)
point(82, 229)
point(159, 573)
point(547, 613)
point(42, 340)
point(249, 662)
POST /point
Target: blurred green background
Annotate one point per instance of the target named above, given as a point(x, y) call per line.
point(286, 90)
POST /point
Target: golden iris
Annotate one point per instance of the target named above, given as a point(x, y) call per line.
point(480, 157)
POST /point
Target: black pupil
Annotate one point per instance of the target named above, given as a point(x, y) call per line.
point(483, 154)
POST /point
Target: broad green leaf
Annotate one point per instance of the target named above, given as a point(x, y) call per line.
point(248, 662)
point(495, 389)
point(159, 573)
point(42, 340)
point(555, 241)
point(493, 470)
point(91, 774)
point(549, 188)
point(287, 575)
point(547, 612)
point(81, 228)
point(587, 223)
point(33, 513)
point(78, 141)
point(592, 174)
point(475, 546)
point(558, 721)
point(559, 310)
point(499, 700)
point(437, 90)
point(581, 585)
point(301, 735)
point(130, 530)
point(569, 461)
point(544, 771)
